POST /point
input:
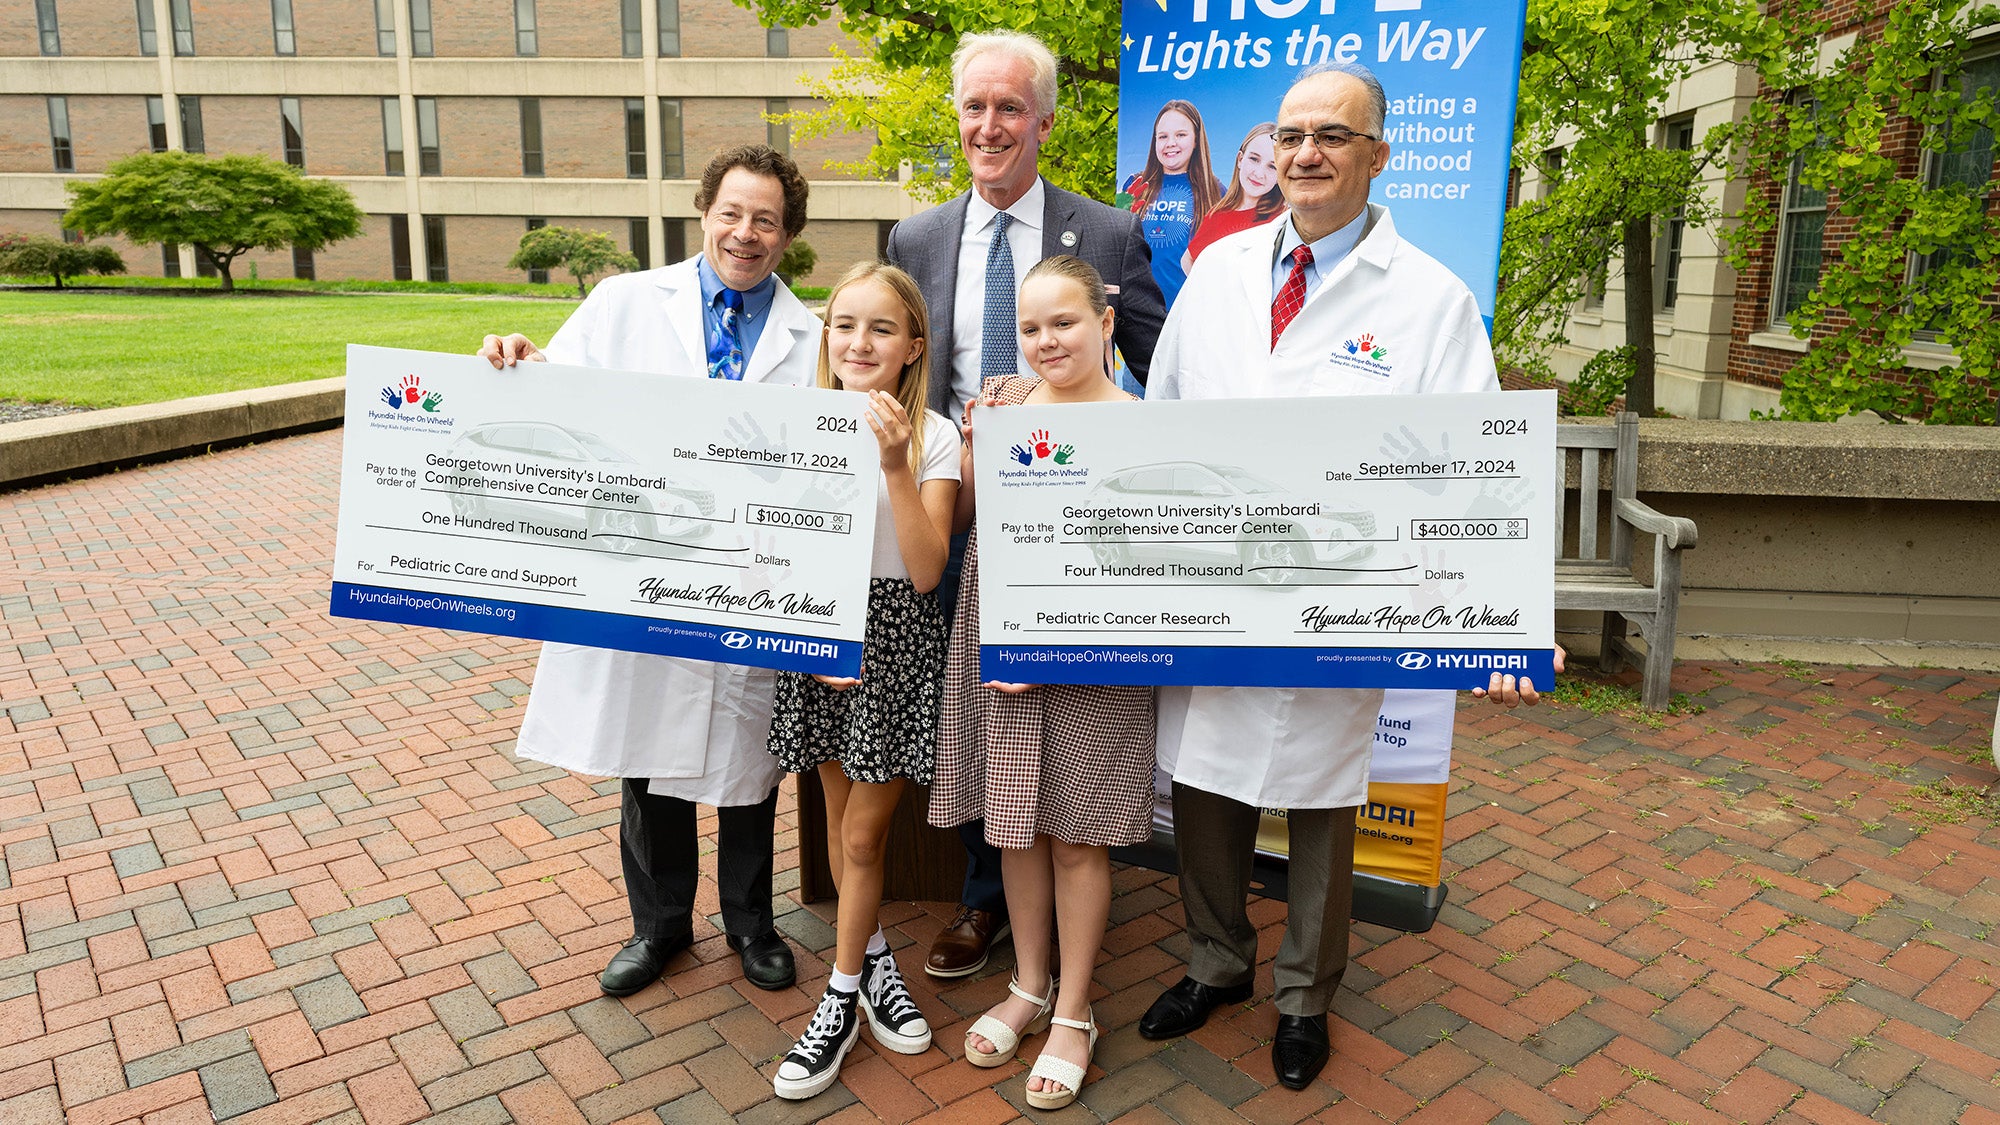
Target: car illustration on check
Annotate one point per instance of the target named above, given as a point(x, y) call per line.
point(1278, 537)
point(622, 505)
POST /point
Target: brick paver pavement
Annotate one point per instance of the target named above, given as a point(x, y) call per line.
point(264, 865)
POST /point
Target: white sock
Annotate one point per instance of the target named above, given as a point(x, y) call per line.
point(844, 982)
point(878, 945)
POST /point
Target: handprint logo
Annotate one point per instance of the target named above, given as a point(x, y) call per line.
point(1351, 347)
point(1064, 453)
point(1367, 344)
point(411, 392)
point(1409, 450)
point(1500, 498)
point(393, 397)
point(1022, 455)
point(432, 400)
point(745, 431)
point(1043, 446)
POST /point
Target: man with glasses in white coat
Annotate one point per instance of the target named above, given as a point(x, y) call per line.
point(1266, 313)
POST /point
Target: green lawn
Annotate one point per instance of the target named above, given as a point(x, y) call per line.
point(107, 349)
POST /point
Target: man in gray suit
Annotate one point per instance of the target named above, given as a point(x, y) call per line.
point(969, 255)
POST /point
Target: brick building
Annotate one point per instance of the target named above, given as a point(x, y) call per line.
point(457, 126)
point(1722, 337)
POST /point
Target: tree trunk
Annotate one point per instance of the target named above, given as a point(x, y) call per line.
point(1639, 314)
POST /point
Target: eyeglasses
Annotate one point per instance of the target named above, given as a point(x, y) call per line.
point(1333, 138)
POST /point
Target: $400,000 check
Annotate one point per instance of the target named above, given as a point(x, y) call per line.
point(1380, 541)
point(719, 521)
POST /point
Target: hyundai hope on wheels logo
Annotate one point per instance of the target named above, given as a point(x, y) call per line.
point(735, 639)
point(1414, 661)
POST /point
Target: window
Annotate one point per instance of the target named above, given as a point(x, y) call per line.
point(59, 141)
point(392, 138)
point(399, 247)
point(45, 22)
point(531, 137)
point(156, 122)
point(1966, 166)
point(677, 240)
point(539, 277)
point(1801, 226)
point(641, 242)
point(525, 42)
point(183, 17)
point(633, 37)
point(420, 28)
point(204, 266)
point(191, 124)
point(385, 27)
point(1667, 255)
point(777, 131)
point(635, 138)
point(434, 248)
point(170, 260)
point(670, 29)
point(302, 264)
point(149, 29)
point(429, 162)
point(777, 42)
point(293, 125)
point(284, 35)
point(672, 166)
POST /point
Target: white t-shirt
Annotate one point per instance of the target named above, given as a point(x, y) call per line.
point(940, 463)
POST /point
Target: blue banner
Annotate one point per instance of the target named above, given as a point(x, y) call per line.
point(1197, 76)
point(692, 640)
point(1222, 666)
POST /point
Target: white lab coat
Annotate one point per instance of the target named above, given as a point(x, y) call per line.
point(1304, 747)
point(697, 729)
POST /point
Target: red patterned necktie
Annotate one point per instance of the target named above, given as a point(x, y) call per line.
point(1292, 297)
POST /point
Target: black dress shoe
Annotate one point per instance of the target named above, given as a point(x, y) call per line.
point(639, 963)
point(1185, 1006)
point(767, 960)
point(1299, 1050)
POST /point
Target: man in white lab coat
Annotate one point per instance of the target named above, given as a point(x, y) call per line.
point(683, 731)
point(1234, 751)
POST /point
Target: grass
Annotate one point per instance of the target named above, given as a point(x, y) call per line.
point(563, 289)
point(1600, 698)
point(114, 349)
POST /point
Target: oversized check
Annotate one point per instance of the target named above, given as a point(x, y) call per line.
point(686, 517)
point(1382, 541)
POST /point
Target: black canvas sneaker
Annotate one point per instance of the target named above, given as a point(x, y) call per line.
point(814, 1061)
point(892, 1015)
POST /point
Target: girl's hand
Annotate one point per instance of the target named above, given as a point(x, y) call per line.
point(891, 424)
point(965, 419)
point(837, 683)
point(1005, 688)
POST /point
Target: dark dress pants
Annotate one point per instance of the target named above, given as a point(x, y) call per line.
point(660, 851)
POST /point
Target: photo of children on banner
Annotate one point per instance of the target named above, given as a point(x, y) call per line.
point(1253, 198)
point(1176, 189)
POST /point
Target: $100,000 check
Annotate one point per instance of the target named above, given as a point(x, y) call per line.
point(713, 520)
point(1382, 541)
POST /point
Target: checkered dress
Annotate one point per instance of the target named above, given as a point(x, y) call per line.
point(1069, 761)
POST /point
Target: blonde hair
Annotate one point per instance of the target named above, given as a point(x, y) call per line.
point(1084, 276)
point(913, 387)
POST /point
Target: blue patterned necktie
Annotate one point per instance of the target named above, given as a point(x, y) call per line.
point(999, 354)
point(725, 350)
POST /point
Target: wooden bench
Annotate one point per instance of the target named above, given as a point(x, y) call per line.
point(1589, 454)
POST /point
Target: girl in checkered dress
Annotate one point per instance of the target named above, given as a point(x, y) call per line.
point(872, 735)
point(1061, 772)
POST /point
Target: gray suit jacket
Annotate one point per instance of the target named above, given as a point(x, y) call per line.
point(926, 246)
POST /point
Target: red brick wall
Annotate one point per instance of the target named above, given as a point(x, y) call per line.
point(366, 255)
point(581, 137)
point(24, 134)
point(94, 29)
point(343, 135)
point(334, 27)
point(141, 261)
point(229, 28)
point(107, 128)
point(472, 30)
point(577, 28)
point(243, 124)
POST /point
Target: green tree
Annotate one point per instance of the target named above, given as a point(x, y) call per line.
point(1594, 76)
point(798, 261)
point(1919, 252)
point(584, 253)
point(221, 205)
point(901, 90)
point(32, 255)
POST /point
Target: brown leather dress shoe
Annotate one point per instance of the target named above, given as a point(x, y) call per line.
point(961, 948)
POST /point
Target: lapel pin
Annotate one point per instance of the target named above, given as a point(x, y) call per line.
point(1069, 238)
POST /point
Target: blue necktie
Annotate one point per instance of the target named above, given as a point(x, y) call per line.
point(999, 352)
point(725, 350)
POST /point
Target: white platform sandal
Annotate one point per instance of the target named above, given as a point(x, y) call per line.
point(1005, 1039)
point(1052, 1069)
